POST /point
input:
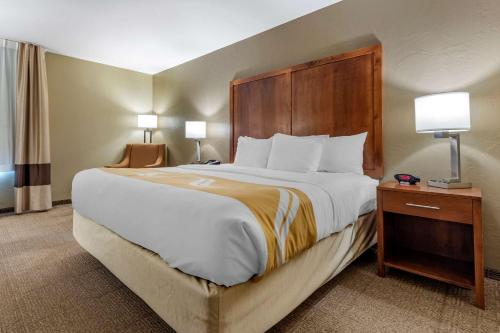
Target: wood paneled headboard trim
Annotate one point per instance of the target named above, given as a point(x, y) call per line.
point(337, 95)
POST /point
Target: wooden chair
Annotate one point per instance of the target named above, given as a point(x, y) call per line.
point(143, 155)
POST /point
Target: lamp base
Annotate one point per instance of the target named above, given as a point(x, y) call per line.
point(198, 151)
point(147, 130)
point(449, 183)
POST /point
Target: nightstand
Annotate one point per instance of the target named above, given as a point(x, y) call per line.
point(433, 232)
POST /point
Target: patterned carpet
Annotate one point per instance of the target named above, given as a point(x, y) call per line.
point(49, 284)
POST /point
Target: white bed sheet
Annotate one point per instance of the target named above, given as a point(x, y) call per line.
point(207, 235)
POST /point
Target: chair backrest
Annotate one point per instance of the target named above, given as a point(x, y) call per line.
point(142, 154)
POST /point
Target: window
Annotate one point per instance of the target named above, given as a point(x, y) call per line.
point(8, 69)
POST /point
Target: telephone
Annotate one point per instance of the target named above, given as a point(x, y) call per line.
point(212, 162)
point(406, 179)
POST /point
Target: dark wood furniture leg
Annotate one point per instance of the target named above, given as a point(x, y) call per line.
point(380, 236)
point(478, 255)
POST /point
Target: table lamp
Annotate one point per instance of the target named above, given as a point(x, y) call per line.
point(445, 115)
point(147, 121)
point(196, 130)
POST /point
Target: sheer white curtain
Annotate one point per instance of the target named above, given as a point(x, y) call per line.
point(8, 69)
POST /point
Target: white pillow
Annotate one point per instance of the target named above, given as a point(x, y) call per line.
point(343, 154)
point(252, 152)
point(294, 153)
point(317, 138)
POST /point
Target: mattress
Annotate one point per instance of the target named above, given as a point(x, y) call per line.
point(209, 235)
point(191, 304)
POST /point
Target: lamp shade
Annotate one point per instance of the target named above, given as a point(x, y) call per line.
point(447, 112)
point(196, 129)
point(147, 121)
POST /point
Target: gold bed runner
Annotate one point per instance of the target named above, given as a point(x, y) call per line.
point(285, 214)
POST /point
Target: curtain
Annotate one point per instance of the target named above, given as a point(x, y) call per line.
point(8, 64)
point(32, 150)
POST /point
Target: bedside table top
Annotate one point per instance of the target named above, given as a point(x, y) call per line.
point(473, 192)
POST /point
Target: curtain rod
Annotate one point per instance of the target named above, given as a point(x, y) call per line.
point(22, 41)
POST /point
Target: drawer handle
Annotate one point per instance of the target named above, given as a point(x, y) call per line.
point(422, 206)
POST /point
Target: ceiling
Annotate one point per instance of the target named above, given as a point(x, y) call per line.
point(148, 36)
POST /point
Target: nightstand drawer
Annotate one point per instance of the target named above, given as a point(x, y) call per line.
point(429, 206)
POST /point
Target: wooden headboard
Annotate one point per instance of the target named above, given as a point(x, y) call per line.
point(338, 95)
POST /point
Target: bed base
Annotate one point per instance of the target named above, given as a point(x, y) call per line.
point(191, 304)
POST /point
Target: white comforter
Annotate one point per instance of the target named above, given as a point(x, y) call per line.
point(207, 235)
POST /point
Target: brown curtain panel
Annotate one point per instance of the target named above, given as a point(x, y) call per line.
point(32, 146)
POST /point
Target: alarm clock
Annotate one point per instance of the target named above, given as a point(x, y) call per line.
point(406, 179)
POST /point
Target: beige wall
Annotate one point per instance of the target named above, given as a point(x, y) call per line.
point(93, 112)
point(429, 46)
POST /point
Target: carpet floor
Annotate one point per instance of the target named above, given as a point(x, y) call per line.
point(48, 283)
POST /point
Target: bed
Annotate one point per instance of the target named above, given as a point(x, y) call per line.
point(223, 275)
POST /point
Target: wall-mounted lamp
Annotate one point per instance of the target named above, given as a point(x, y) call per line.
point(445, 115)
point(149, 122)
point(196, 130)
